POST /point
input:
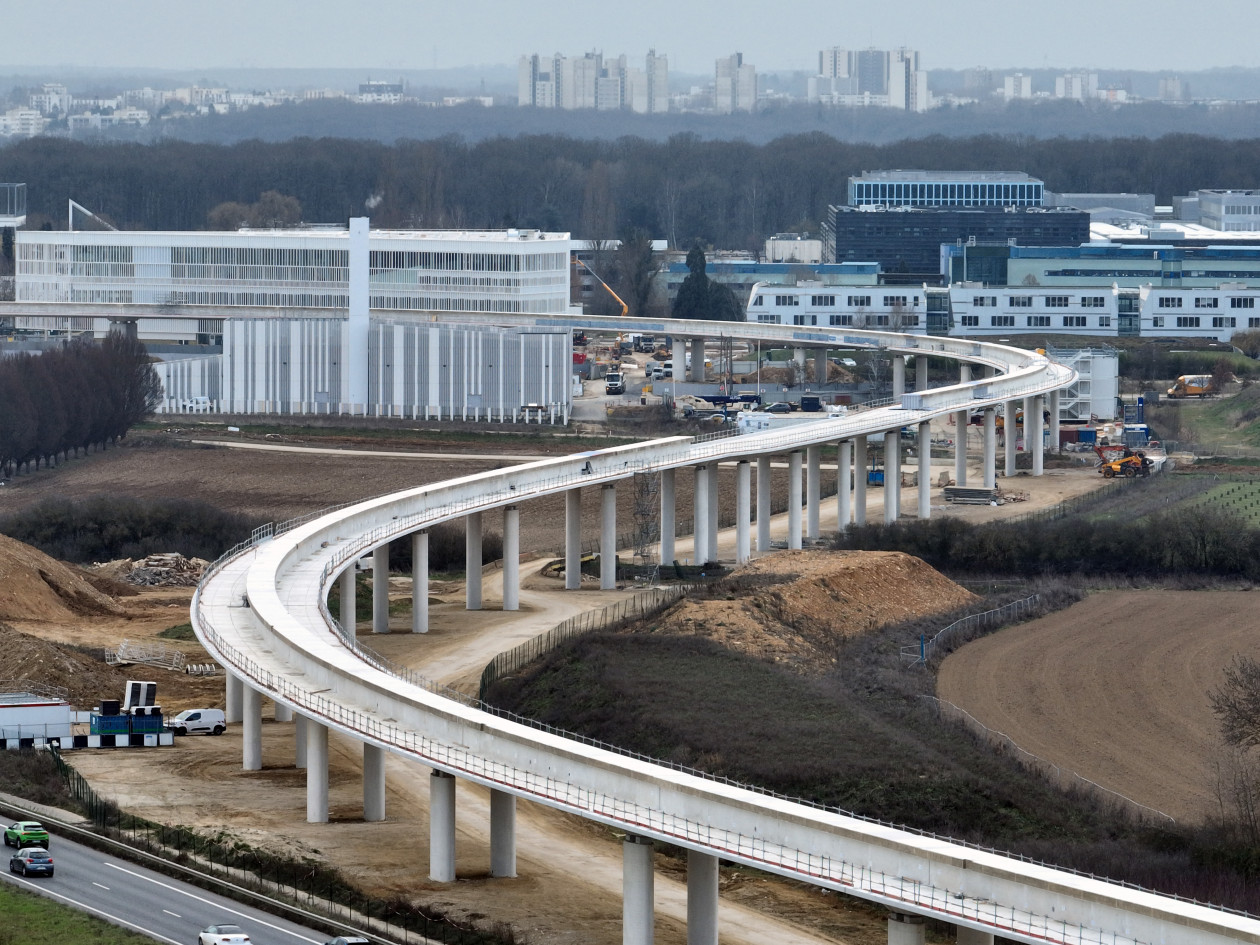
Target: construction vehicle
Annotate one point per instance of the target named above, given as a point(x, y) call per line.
point(1192, 385)
point(1122, 461)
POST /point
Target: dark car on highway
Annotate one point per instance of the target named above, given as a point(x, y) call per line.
point(32, 861)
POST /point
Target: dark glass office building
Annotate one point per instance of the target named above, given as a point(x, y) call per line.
point(906, 241)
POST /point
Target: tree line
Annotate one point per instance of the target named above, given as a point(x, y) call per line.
point(71, 398)
point(725, 194)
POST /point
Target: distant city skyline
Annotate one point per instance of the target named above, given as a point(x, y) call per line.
point(1146, 35)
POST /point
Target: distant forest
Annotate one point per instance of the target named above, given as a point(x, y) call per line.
point(723, 194)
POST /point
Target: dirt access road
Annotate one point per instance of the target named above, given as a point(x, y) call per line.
point(1115, 688)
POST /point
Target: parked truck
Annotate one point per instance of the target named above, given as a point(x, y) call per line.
point(1192, 385)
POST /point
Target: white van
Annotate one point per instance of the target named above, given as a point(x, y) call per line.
point(198, 721)
point(667, 369)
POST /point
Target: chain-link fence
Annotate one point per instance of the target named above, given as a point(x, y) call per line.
point(643, 604)
point(966, 627)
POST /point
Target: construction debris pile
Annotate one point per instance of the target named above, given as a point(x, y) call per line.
point(170, 569)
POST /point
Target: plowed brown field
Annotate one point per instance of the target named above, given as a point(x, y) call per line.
point(1115, 689)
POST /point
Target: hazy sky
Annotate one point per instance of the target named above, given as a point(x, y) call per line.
point(380, 35)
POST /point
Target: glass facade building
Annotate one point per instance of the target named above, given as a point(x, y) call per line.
point(945, 189)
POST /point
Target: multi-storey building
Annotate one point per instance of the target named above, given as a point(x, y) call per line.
point(907, 241)
point(591, 81)
point(734, 85)
point(1017, 86)
point(1230, 210)
point(870, 77)
point(974, 310)
point(440, 271)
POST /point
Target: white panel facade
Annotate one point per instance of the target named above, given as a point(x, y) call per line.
point(415, 369)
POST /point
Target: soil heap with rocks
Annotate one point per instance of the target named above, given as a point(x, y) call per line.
point(792, 607)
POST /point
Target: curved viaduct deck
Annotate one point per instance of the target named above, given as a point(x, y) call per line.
point(261, 613)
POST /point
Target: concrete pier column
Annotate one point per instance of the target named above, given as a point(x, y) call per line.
point(1054, 421)
point(964, 372)
point(820, 365)
point(251, 728)
point(637, 879)
point(347, 583)
point(892, 473)
point(970, 936)
point(859, 480)
point(232, 694)
point(899, 376)
point(799, 355)
point(472, 561)
point(380, 589)
point(420, 581)
point(373, 783)
point(299, 740)
point(667, 516)
point(442, 827)
point(699, 515)
point(702, 898)
point(813, 490)
point(1033, 432)
point(316, 772)
point(1009, 429)
point(511, 558)
point(925, 468)
point(678, 354)
point(962, 426)
point(281, 712)
point(844, 484)
point(794, 499)
point(502, 834)
point(714, 517)
point(990, 447)
point(743, 512)
point(905, 929)
point(608, 537)
point(696, 372)
point(763, 503)
point(573, 539)
point(920, 372)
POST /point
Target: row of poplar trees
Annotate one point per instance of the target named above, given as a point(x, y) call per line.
point(82, 395)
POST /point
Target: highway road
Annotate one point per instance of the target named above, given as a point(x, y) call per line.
point(143, 901)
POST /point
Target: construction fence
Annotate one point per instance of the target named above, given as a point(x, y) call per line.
point(967, 627)
point(643, 604)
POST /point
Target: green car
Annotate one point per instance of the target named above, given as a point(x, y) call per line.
point(26, 833)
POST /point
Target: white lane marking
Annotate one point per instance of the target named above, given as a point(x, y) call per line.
point(176, 914)
point(244, 915)
point(106, 888)
point(118, 920)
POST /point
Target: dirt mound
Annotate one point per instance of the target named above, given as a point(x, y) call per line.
point(34, 586)
point(27, 658)
point(792, 607)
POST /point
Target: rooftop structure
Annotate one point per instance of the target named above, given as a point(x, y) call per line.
point(945, 189)
point(12, 205)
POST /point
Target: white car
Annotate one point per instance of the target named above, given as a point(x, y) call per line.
point(194, 721)
point(221, 935)
point(197, 405)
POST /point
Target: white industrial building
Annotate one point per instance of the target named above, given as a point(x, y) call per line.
point(512, 271)
point(320, 320)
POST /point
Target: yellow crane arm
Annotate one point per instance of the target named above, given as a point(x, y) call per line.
point(624, 307)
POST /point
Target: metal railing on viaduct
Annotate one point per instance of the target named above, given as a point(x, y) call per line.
point(260, 612)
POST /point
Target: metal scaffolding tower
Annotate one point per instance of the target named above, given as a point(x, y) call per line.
point(647, 526)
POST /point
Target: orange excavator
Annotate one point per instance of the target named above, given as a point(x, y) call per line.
point(1121, 461)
